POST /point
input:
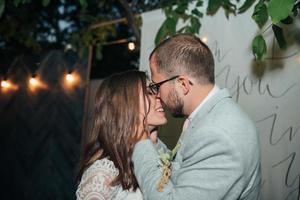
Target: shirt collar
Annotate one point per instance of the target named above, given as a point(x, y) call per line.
point(210, 94)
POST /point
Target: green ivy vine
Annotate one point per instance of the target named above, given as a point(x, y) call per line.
point(280, 12)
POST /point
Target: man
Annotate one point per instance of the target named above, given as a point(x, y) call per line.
point(219, 156)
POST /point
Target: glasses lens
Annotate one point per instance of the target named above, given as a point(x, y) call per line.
point(153, 88)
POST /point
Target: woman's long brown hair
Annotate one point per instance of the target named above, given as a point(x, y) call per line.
point(115, 120)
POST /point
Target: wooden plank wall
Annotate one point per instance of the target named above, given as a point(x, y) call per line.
point(40, 131)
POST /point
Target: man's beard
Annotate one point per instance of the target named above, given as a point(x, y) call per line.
point(175, 104)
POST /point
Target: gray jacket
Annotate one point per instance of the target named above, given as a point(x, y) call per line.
point(219, 157)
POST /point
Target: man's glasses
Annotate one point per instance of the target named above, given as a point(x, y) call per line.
point(154, 87)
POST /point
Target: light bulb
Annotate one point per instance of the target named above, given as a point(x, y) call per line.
point(69, 77)
point(131, 46)
point(204, 39)
point(5, 84)
point(33, 81)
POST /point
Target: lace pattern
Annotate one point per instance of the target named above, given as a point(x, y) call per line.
point(95, 183)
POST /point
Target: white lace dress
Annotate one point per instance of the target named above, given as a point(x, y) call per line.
point(94, 184)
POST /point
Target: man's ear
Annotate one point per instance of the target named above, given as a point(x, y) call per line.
point(184, 84)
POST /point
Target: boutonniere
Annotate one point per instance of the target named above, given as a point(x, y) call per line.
point(165, 163)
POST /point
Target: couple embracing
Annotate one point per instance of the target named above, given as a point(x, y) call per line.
point(217, 155)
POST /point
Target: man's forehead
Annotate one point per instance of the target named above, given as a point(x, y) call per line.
point(154, 72)
point(156, 76)
point(153, 67)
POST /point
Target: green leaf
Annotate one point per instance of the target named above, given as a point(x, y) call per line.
point(181, 8)
point(213, 6)
point(199, 3)
point(167, 28)
point(31, 43)
point(87, 38)
point(161, 34)
point(259, 47)
point(278, 32)
point(45, 2)
point(197, 13)
point(83, 3)
point(195, 25)
point(229, 8)
point(17, 2)
point(247, 4)
point(295, 9)
point(165, 159)
point(168, 11)
point(288, 20)
point(171, 24)
point(188, 29)
point(260, 15)
point(2, 6)
point(280, 9)
point(175, 150)
point(184, 17)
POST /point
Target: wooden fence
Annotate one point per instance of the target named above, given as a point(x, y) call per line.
point(40, 130)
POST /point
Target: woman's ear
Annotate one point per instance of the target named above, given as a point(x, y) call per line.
point(184, 84)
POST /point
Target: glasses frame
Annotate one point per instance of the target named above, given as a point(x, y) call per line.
point(154, 87)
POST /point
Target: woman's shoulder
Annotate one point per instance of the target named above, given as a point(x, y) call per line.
point(96, 180)
point(95, 183)
point(101, 167)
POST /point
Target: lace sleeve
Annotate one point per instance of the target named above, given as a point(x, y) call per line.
point(94, 188)
point(95, 183)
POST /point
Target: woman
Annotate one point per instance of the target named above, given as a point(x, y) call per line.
point(124, 111)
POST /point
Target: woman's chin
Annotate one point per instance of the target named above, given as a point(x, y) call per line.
point(161, 114)
point(164, 121)
point(157, 119)
point(158, 122)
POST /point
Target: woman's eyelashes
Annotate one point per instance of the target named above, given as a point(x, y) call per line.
point(149, 92)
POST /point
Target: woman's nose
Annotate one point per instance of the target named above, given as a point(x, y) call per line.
point(157, 95)
point(158, 98)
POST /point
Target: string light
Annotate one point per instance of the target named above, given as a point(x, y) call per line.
point(68, 47)
point(204, 39)
point(131, 46)
point(35, 83)
point(70, 78)
point(5, 84)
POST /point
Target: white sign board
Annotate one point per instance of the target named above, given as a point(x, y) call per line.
point(269, 93)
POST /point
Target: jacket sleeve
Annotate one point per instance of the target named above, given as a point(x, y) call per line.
point(211, 168)
point(160, 145)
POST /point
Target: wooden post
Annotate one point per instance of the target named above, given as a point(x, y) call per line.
point(87, 91)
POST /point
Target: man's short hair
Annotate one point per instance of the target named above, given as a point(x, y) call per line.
point(185, 54)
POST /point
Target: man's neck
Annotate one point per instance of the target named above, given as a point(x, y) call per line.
point(196, 96)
